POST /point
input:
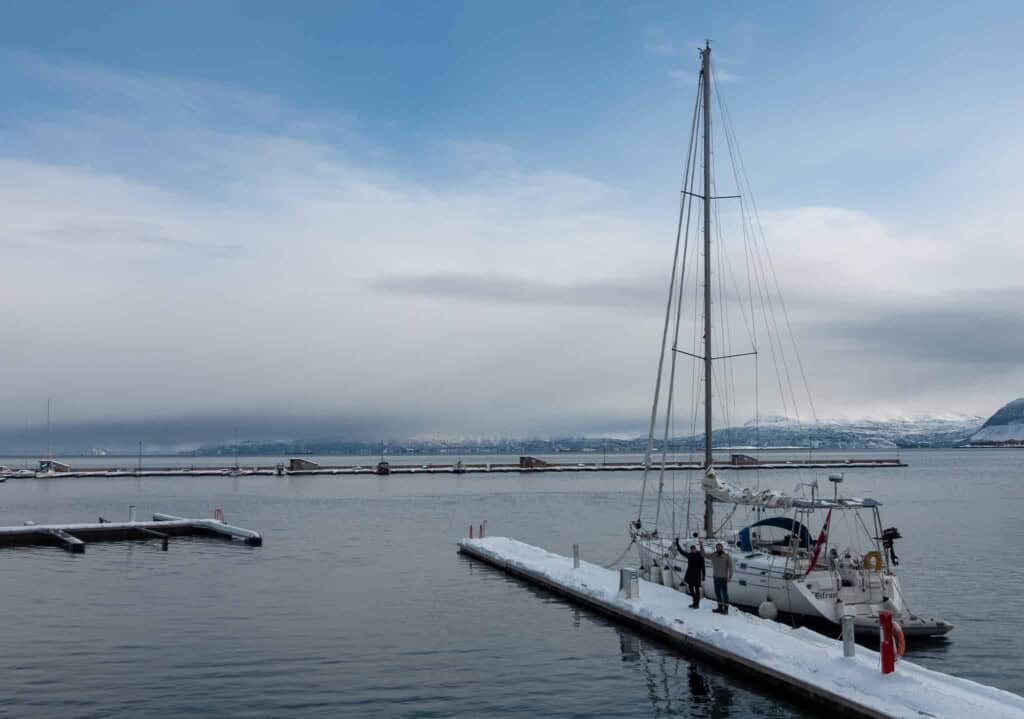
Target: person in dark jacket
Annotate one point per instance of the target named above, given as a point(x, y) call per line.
point(694, 576)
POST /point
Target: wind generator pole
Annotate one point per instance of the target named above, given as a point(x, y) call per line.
point(705, 71)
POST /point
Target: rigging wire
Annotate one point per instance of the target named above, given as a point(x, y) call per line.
point(664, 332)
point(733, 142)
point(687, 210)
point(675, 345)
point(621, 556)
point(763, 293)
point(727, 396)
point(767, 310)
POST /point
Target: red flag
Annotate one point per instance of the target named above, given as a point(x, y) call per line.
point(821, 542)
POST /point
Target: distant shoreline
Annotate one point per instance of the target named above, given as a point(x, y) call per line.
point(477, 452)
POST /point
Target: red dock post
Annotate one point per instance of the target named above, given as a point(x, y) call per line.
point(886, 649)
point(471, 531)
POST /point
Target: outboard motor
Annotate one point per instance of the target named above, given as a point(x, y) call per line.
point(888, 537)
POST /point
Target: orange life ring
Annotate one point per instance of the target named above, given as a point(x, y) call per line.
point(901, 641)
point(874, 559)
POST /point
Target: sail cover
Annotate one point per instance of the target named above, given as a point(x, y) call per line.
point(772, 498)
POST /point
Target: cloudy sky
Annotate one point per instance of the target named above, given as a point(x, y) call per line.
point(273, 220)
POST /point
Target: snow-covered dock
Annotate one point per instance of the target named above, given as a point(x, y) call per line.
point(74, 537)
point(798, 662)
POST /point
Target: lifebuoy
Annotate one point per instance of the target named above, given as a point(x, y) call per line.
point(901, 641)
point(874, 559)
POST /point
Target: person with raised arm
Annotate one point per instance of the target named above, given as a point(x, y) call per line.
point(695, 572)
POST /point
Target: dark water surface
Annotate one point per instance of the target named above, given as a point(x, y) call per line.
point(358, 605)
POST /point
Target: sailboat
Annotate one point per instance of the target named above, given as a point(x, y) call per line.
point(789, 556)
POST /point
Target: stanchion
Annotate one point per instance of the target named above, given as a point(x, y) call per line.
point(629, 583)
point(849, 645)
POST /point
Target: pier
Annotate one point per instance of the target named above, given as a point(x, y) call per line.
point(797, 663)
point(49, 469)
point(75, 537)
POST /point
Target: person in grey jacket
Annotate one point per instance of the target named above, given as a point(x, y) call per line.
point(721, 572)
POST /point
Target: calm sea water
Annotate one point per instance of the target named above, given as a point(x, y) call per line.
point(358, 605)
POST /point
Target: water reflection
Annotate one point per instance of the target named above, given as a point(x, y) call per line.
point(677, 686)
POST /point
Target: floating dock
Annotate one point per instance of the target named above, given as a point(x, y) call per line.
point(798, 663)
point(55, 470)
point(74, 537)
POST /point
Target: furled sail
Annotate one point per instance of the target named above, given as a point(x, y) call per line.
point(772, 498)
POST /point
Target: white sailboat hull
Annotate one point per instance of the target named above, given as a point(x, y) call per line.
point(819, 595)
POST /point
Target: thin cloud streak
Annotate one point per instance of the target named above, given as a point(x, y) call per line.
point(641, 297)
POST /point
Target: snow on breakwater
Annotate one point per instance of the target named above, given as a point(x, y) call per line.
point(809, 662)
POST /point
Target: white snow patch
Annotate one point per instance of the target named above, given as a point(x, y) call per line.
point(1012, 432)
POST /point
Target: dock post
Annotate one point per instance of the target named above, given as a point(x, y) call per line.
point(470, 531)
point(849, 645)
point(575, 556)
point(131, 512)
point(629, 583)
point(886, 651)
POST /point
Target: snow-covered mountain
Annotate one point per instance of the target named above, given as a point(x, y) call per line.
point(1004, 427)
point(930, 430)
point(948, 429)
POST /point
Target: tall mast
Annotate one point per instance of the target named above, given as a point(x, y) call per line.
point(705, 71)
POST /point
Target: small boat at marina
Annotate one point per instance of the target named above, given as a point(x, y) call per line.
point(796, 555)
point(807, 578)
